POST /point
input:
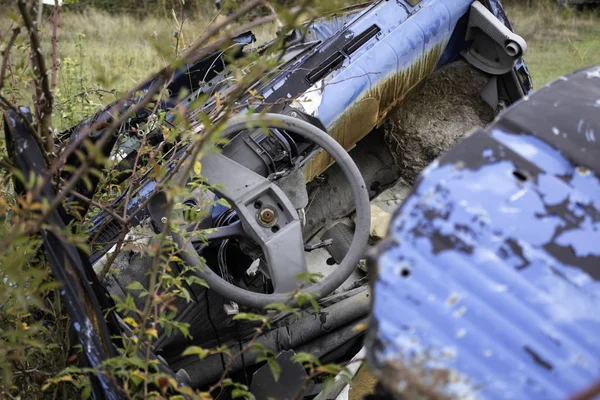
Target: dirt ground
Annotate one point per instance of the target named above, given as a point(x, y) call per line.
point(446, 109)
point(362, 385)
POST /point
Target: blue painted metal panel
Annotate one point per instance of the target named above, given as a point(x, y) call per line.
point(490, 269)
point(402, 43)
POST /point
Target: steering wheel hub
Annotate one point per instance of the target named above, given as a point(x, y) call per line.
point(269, 218)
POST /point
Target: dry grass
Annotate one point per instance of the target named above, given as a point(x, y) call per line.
point(112, 52)
point(122, 49)
point(560, 40)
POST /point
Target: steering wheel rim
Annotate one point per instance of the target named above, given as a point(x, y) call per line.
point(362, 224)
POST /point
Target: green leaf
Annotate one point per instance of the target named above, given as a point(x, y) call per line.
point(260, 348)
point(309, 277)
point(136, 379)
point(314, 303)
point(184, 294)
point(196, 350)
point(332, 369)
point(275, 368)
point(302, 297)
point(135, 286)
point(241, 393)
point(251, 317)
point(305, 358)
point(282, 307)
point(197, 280)
point(224, 203)
point(86, 392)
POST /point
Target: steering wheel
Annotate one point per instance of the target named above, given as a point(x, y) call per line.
point(268, 217)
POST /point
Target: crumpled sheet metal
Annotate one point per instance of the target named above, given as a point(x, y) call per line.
point(490, 269)
point(382, 72)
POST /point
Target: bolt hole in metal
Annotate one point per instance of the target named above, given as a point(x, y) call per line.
point(513, 49)
point(258, 204)
point(330, 261)
point(267, 217)
point(275, 229)
point(520, 175)
point(405, 273)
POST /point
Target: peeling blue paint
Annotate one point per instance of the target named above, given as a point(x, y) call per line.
point(495, 257)
point(402, 43)
point(536, 151)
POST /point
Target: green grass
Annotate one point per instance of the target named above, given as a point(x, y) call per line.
point(117, 51)
point(101, 51)
point(560, 40)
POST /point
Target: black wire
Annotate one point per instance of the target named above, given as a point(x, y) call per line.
point(213, 327)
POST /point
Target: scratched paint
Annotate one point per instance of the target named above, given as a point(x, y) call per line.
point(378, 77)
point(495, 256)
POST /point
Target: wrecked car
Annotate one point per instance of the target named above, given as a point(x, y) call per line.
point(361, 102)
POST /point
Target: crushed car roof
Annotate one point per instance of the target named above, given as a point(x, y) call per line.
point(490, 269)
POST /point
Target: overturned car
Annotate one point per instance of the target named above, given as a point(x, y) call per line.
point(360, 103)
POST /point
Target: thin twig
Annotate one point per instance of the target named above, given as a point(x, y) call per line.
point(43, 94)
point(244, 350)
point(55, 15)
point(102, 207)
point(6, 54)
point(85, 93)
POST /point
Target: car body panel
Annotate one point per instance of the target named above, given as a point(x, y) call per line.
point(490, 269)
point(382, 73)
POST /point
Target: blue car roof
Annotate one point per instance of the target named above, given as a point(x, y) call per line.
point(490, 269)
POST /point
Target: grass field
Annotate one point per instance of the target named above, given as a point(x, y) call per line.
point(109, 52)
point(560, 40)
point(97, 50)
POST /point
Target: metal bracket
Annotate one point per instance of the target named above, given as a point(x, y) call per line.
point(495, 49)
